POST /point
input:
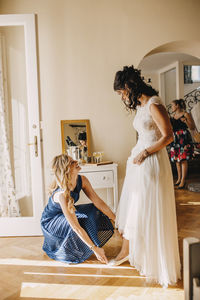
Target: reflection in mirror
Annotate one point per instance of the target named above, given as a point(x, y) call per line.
point(76, 139)
point(15, 185)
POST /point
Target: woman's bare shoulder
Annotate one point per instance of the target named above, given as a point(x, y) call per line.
point(58, 196)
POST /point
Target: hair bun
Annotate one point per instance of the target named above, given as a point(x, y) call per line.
point(130, 78)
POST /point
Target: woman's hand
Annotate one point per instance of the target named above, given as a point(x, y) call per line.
point(140, 158)
point(188, 120)
point(100, 255)
point(113, 218)
point(113, 222)
point(184, 119)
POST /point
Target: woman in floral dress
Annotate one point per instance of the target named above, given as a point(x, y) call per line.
point(181, 149)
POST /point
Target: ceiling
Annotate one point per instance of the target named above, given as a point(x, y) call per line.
point(155, 62)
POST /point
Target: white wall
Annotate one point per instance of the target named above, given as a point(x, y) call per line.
point(154, 76)
point(170, 85)
point(81, 44)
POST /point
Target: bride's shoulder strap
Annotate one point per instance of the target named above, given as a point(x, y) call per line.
point(154, 100)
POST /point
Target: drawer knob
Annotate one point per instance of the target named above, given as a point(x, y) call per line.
point(104, 177)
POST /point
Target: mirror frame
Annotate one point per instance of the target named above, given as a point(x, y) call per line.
point(87, 123)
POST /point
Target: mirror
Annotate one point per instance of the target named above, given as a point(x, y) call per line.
point(75, 136)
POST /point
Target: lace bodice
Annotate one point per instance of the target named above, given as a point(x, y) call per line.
point(144, 124)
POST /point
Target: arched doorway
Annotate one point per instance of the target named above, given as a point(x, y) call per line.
point(164, 66)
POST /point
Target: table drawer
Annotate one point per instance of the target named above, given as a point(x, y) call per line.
point(100, 179)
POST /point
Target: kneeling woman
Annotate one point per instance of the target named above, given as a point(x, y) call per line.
point(73, 232)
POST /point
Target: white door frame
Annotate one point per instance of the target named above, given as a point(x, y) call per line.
point(25, 226)
point(179, 80)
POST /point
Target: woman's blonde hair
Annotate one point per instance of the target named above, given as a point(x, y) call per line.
point(61, 170)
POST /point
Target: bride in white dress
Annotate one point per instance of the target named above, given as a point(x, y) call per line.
point(146, 216)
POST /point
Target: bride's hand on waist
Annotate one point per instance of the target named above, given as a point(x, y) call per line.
point(140, 157)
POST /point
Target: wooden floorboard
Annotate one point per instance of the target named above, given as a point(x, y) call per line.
point(27, 273)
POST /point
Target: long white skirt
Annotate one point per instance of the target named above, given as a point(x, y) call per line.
point(146, 216)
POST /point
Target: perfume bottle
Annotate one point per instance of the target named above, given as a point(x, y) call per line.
point(97, 156)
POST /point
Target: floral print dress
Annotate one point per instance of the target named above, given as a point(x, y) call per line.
point(182, 147)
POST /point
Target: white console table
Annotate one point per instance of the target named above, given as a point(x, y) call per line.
point(103, 177)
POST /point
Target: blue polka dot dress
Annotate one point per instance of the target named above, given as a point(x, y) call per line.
point(61, 242)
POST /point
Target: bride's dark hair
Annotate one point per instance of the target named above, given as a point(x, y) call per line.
point(130, 79)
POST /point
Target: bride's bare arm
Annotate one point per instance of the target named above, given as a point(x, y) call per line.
point(98, 202)
point(160, 117)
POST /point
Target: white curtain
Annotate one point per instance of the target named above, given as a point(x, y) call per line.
point(9, 206)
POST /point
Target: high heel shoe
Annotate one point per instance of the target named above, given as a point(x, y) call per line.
point(182, 187)
point(176, 184)
point(114, 262)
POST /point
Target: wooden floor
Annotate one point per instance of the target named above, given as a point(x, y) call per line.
point(27, 273)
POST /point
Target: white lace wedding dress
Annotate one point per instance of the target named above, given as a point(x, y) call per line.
point(146, 215)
